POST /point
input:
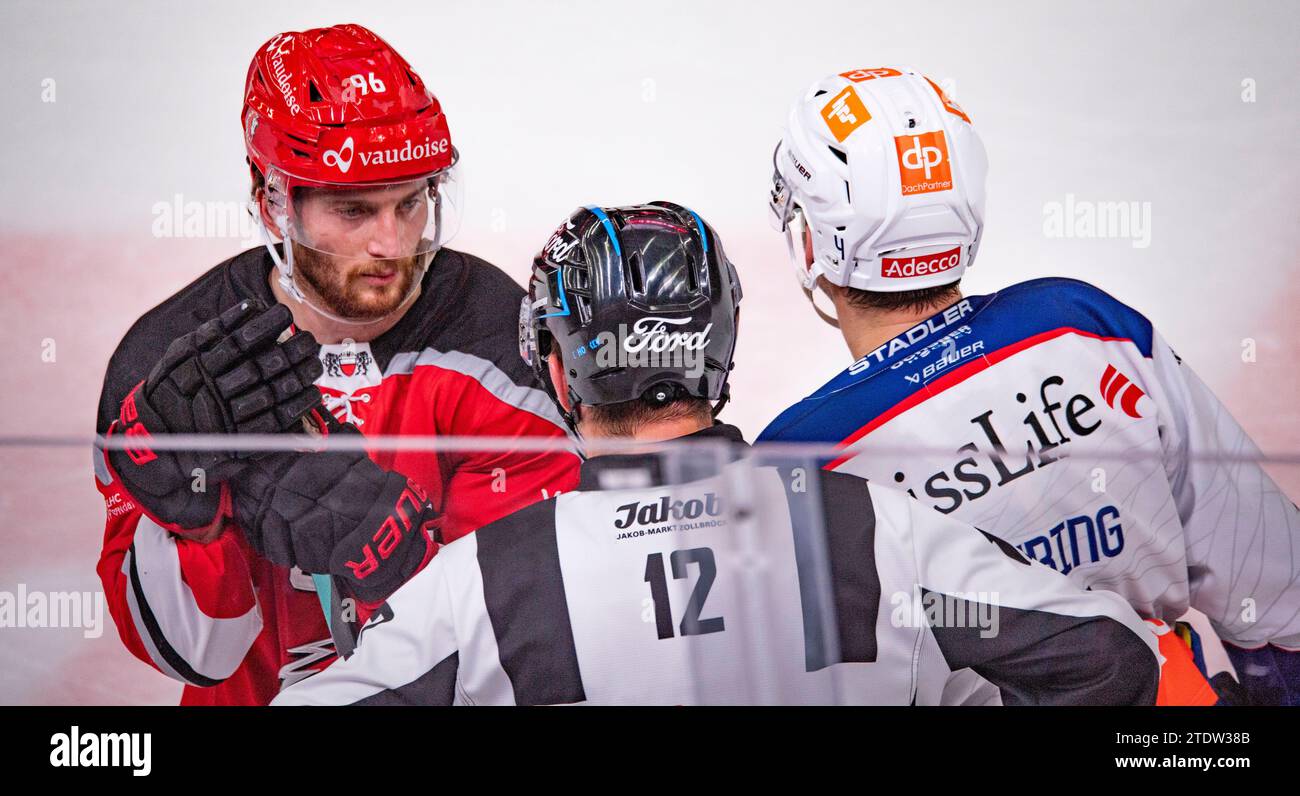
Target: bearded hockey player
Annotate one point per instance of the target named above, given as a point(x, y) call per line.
point(1014, 399)
point(353, 173)
point(693, 580)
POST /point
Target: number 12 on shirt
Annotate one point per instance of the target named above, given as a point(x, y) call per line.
point(655, 575)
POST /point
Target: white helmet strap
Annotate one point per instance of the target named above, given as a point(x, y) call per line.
point(797, 259)
point(828, 317)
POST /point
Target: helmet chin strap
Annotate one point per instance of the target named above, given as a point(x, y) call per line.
point(809, 292)
point(823, 314)
point(284, 266)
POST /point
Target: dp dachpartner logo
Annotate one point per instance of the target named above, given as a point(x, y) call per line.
point(923, 162)
point(75, 749)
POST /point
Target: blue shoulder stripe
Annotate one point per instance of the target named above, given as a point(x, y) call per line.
point(974, 327)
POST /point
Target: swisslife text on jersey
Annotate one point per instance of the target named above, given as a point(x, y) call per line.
point(1078, 435)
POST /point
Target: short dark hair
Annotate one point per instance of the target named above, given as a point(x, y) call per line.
point(625, 418)
point(925, 298)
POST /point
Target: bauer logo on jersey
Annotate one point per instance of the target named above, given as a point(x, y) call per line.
point(920, 264)
point(859, 75)
point(845, 113)
point(923, 162)
point(1115, 386)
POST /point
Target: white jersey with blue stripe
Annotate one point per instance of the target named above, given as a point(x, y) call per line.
point(1056, 417)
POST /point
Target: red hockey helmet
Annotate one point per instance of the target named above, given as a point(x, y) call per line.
point(339, 109)
point(308, 94)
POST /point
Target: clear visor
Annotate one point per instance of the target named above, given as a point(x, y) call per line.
point(796, 232)
point(374, 221)
point(780, 201)
point(357, 253)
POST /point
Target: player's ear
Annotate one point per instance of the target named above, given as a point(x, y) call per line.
point(807, 244)
point(260, 198)
point(558, 381)
point(258, 192)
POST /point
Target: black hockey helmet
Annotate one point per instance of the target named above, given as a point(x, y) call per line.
point(640, 302)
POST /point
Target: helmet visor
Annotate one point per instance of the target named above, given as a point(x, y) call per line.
point(379, 221)
point(357, 252)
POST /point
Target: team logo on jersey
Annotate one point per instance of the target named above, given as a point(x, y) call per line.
point(859, 75)
point(921, 264)
point(347, 364)
point(845, 113)
point(1117, 386)
point(923, 162)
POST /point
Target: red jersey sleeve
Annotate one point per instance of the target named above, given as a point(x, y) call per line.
point(184, 607)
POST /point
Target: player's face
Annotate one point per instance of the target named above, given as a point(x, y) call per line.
point(359, 248)
point(365, 289)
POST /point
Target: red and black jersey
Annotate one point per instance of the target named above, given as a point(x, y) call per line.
point(231, 625)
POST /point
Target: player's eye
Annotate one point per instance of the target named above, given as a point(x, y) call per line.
point(411, 205)
point(352, 212)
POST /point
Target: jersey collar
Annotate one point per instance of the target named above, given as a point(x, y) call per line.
point(644, 470)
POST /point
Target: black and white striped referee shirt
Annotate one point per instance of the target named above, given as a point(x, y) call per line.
point(761, 584)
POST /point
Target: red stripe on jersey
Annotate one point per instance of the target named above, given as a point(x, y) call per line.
point(1107, 376)
point(956, 377)
point(1114, 387)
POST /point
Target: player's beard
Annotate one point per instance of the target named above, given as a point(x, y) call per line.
point(343, 289)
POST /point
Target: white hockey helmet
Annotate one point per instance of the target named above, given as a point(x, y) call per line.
point(887, 174)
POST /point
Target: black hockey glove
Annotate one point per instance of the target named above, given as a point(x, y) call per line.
point(337, 512)
point(228, 376)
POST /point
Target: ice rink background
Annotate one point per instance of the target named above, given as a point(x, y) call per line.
point(555, 105)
